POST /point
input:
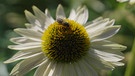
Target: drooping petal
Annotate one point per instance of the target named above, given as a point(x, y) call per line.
point(86, 68)
point(41, 69)
point(49, 68)
point(24, 54)
point(26, 65)
point(52, 71)
point(29, 33)
point(97, 62)
point(71, 70)
point(65, 71)
point(105, 33)
point(60, 12)
point(78, 69)
point(57, 70)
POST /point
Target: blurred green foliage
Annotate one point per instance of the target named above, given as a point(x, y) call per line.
point(12, 16)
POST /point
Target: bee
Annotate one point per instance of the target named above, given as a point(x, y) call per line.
point(63, 22)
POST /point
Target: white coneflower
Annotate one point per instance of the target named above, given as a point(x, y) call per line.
point(65, 46)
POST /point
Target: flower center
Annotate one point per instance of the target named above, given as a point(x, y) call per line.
point(65, 41)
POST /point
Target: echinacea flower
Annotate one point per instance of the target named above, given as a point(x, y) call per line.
point(65, 46)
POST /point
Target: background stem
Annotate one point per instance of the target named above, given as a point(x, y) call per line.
point(131, 63)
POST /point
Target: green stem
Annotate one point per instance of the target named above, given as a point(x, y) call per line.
point(131, 63)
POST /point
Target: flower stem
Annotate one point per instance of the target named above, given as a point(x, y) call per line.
point(131, 62)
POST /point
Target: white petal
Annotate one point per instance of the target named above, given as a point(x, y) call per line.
point(78, 8)
point(49, 16)
point(82, 15)
point(97, 62)
point(94, 24)
point(78, 69)
point(53, 70)
point(111, 22)
point(49, 69)
point(40, 70)
point(96, 27)
point(65, 71)
point(60, 12)
point(57, 69)
point(28, 25)
point(69, 70)
point(106, 33)
point(49, 20)
point(26, 65)
point(29, 33)
point(30, 17)
point(75, 13)
point(40, 15)
point(72, 71)
point(22, 40)
point(25, 46)
point(24, 54)
point(122, 0)
point(44, 19)
point(82, 68)
point(87, 69)
point(51, 73)
point(37, 27)
point(94, 21)
point(108, 46)
point(72, 14)
point(108, 56)
point(97, 19)
point(117, 63)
